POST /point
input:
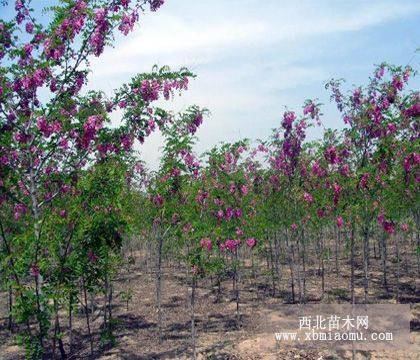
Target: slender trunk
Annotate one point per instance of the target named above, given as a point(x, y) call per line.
point(87, 316)
point(237, 277)
point(277, 258)
point(337, 241)
point(37, 233)
point(57, 334)
point(193, 335)
point(38, 278)
point(110, 294)
point(159, 286)
point(291, 262)
point(417, 231)
point(10, 319)
point(273, 280)
point(303, 265)
point(352, 265)
point(296, 263)
point(71, 323)
point(366, 262)
point(267, 279)
point(397, 254)
point(105, 304)
point(321, 240)
point(384, 262)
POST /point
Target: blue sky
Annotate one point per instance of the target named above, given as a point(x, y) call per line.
point(255, 57)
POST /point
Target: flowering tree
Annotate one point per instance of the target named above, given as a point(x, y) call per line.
point(380, 119)
point(170, 188)
point(52, 130)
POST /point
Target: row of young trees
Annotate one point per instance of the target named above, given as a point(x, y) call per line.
point(73, 190)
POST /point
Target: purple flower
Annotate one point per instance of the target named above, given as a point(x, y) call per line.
point(229, 213)
point(92, 256)
point(288, 119)
point(413, 111)
point(34, 270)
point(308, 197)
point(127, 22)
point(158, 200)
point(206, 244)
point(238, 213)
point(156, 4)
point(364, 180)
point(150, 90)
point(251, 242)
point(19, 209)
point(220, 214)
point(397, 83)
point(331, 155)
point(244, 190)
point(232, 244)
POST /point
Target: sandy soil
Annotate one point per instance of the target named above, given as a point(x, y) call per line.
point(136, 332)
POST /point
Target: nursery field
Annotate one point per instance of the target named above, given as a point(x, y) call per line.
point(103, 256)
point(136, 332)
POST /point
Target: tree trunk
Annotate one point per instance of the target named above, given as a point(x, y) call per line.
point(352, 265)
point(71, 323)
point(87, 316)
point(321, 240)
point(384, 262)
point(337, 241)
point(366, 262)
point(193, 335)
point(397, 254)
point(237, 277)
point(10, 319)
point(303, 265)
point(291, 265)
point(277, 258)
point(159, 286)
point(272, 271)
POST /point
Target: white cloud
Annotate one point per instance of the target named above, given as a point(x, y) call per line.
point(176, 39)
point(249, 54)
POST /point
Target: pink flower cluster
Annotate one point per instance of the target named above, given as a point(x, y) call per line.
point(308, 198)
point(97, 39)
point(231, 244)
point(91, 127)
point(331, 155)
point(195, 123)
point(48, 129)
point(157, 200)
point(251, 242)
point(388, 225)
point(413, 111)
point(19, 210)
point(128, 21)
point(34, 80)
point(150, 89)
point(206, 244)
point(229, 213)
point(156, 4)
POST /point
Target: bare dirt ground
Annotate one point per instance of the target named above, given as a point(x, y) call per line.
point(136, 327)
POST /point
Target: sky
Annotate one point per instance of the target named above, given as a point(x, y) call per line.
point(253, 59)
